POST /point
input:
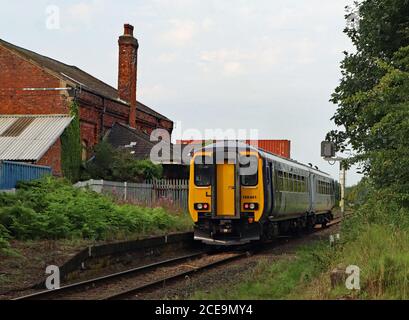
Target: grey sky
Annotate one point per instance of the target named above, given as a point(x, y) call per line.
point(259, 64)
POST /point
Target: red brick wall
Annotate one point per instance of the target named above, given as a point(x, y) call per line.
point(92, 107)
point(15, 74)
point(52, 158)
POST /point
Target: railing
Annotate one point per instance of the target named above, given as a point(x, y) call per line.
point(169, 192)
point(12, 172)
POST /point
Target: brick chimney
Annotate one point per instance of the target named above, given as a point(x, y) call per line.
point(128, 56)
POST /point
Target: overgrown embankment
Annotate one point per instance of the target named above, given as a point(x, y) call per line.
point(375, 238)
point(52, 209)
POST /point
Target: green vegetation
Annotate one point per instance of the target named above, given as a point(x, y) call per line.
point(52, 209)
point(373, 96)
point(119, 165)
point(277, 280)
point(71, 147)
point(373, 108)
point(375, 238)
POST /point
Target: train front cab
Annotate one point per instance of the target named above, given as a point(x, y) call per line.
point(226, 199)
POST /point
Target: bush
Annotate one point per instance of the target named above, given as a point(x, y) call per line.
point(119, 165)
point(4, 239)
point(51, 209)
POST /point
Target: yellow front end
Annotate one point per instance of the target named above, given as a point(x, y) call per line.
point(223, 218)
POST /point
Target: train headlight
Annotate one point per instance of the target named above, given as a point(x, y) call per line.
point(250, 206)
point(201, 206)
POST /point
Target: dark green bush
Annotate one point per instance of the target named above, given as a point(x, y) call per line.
point(51, 209)
point(119, 165)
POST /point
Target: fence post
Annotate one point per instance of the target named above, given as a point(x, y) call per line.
point(125, 190)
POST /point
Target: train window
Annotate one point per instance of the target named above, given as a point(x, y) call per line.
point(249, 172)
point(296, 183)
point(203, 172)
point(280, 180)
point(290, 182)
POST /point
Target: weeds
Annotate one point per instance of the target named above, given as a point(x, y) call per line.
point(52, 209)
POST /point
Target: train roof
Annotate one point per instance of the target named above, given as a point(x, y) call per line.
point(243, 146)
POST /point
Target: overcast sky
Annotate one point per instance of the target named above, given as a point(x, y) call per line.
point(207, 64)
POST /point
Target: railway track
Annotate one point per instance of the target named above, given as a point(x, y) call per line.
point(134, 282)
point(94, 283)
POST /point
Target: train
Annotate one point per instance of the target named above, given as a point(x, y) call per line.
point(239, 194)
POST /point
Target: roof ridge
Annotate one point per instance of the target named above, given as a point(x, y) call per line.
point(61, 68)
point(137, 131)
point(36, 53)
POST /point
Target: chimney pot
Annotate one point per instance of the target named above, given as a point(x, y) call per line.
point(128, 30)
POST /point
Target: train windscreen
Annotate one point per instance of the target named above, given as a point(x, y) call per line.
point(203, 171)
point(249, 171)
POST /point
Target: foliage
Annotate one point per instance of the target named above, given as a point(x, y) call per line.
point(373, 96)
point(71, 147)
point(4, 240)
point(375, 238)
point(51, 208)
point(120, 165)
point(357, 195)
point(382, 31)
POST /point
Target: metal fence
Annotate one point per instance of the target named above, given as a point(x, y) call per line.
point(169, 193)
point(12, 172)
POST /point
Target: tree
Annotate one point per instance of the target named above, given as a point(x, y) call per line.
point(381, 30)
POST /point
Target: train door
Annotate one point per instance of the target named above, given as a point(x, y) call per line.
point(312, 182)
point(226, 189)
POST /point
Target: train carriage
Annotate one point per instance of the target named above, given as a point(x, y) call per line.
point(238, 194)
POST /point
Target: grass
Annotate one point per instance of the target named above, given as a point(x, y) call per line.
point(375, 238)
point(277, 279)
point(382, 254)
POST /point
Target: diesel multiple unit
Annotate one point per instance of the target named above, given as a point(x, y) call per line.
point(239, 193)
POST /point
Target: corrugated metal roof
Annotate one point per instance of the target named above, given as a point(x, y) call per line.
point(31, 140)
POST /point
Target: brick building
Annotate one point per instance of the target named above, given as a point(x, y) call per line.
point(35, 85)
